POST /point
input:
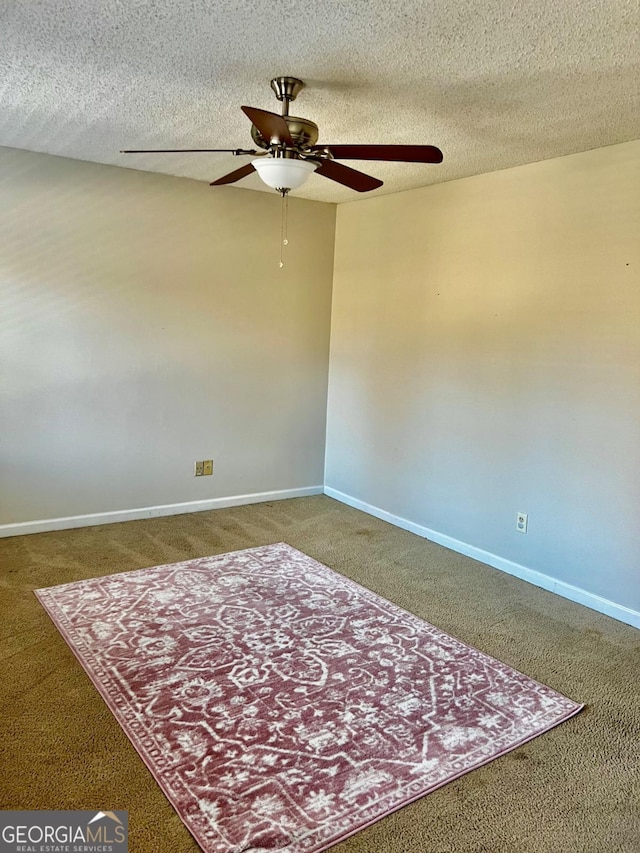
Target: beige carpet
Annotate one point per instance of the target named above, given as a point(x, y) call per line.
point(575, 789)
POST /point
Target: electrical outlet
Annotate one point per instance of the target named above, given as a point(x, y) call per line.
point(522, 520)
point(198, 469)
point(207, 467)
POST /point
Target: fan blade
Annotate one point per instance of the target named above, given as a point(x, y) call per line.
point(397, 153)
point(232, 177)
point(190, 151)
point(271, 125)
point(349, 177)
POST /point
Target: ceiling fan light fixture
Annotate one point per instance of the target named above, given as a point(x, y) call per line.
point(283, 172)
point(291, 153)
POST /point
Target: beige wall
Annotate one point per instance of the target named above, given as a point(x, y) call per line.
point(145, 324)
point(485, 359)
point(485, 352)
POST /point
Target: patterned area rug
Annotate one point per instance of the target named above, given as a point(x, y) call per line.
point(281, 706)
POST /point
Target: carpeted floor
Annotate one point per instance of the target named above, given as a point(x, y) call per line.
point(575, 789)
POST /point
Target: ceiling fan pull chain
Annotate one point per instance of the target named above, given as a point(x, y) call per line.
point(284, 221)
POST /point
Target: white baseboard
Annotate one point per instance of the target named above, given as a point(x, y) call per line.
point(566, 590)
point(25, 527)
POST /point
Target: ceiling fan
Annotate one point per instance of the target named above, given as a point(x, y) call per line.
point(289, 154)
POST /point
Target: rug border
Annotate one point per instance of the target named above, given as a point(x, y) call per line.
point(324, 845)
point(115, 712)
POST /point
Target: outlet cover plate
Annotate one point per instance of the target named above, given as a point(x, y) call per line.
point(522, 521)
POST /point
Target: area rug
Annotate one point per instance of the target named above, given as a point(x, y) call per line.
point(281, 706)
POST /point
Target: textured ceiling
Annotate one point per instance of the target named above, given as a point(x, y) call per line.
point(493, 83)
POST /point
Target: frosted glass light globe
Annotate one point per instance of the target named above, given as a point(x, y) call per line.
point(282, 172)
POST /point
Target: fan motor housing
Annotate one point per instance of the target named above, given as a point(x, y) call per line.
point(303, 132)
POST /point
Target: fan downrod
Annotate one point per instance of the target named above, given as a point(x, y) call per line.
point(304, 132)
point(286, 89)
